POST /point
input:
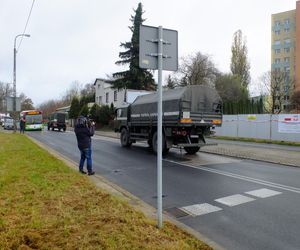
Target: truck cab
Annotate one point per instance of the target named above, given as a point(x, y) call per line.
point(57, 120)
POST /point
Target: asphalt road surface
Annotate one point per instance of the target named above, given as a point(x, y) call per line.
point(239, 204)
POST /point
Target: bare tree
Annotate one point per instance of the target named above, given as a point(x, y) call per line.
point(197, 69)
point(50, 106)
point(72, 91)
point(5, 90)
point(295, 100)
point(26, 102)
point(276, 85)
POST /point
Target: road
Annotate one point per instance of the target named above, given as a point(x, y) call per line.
point(239, 204)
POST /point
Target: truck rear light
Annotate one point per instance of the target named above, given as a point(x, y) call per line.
point(216, 122)
point(185, 120)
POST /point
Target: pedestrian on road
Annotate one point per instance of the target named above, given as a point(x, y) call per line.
point(22, 125)
point(84, 130)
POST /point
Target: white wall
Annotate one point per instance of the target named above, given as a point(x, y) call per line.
point(264, 126)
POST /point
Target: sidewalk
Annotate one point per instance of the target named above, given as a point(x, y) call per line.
point(243, 151)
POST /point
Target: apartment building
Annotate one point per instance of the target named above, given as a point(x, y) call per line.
point(285, 50)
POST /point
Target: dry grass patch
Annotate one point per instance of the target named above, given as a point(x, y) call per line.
point(46, 205)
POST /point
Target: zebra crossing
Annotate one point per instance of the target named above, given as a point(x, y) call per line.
point(229, 201)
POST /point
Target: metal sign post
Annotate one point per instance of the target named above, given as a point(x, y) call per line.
point(153, 43)
point(159, 128)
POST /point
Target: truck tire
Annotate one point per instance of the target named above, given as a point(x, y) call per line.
point(64, 129)
point(165, 150)
point(191, 150)
point(124, 138)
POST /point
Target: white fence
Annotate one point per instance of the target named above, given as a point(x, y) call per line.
point(283, 127)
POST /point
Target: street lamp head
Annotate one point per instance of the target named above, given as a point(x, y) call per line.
point(27, 35)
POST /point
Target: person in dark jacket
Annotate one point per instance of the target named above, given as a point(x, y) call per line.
point(22, 124)
point(84, 130)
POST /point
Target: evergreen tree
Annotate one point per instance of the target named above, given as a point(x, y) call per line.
point(239, 60)
point(171, 84)
point(75, 108)
point(84, 110)
point(135, 77)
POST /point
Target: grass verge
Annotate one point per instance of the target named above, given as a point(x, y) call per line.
point(287, 143)
point(46, 205)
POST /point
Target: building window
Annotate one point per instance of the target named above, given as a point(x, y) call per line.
point(277, 32)
point(100, 99)
point(277, 23)
point(287, 50)
point(115, 95)
point(277, 60)
point(287, 41)
point(287, 30)
point(286, 59)
point(287, 21)
point(277, 51)
point(106, 97)
point(277, 42)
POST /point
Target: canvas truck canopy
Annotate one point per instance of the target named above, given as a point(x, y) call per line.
point(194, 98)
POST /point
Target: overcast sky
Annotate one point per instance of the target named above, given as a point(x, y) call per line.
point(79, 39)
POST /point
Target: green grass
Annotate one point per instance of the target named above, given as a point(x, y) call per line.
point(256, 140)
point(46, 205)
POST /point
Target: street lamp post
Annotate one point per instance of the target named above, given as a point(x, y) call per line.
point(14, 83)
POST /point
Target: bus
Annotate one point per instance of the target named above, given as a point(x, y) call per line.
point(34, 119)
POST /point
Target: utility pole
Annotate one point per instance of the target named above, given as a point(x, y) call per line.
point(15, 67)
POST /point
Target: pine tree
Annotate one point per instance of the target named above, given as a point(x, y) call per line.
point(75, 108)
point(135, 77)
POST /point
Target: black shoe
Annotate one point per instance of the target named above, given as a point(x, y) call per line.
point(82, 171)
point(91, 173)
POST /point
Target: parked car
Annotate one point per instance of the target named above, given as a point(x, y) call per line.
point(8, 123)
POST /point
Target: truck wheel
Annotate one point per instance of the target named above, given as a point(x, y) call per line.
point(52, 128)
point(124, 138)
point(165, 150)
point(191, 150)
point(64, 129)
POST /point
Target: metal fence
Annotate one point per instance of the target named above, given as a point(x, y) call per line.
point(283, 127)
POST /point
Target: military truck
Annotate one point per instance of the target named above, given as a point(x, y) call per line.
point(189, 113)
point(57, 120)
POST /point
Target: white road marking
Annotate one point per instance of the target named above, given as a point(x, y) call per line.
point(234, 200)
point(200, 209)
point(242, 177)
point(263, 193)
